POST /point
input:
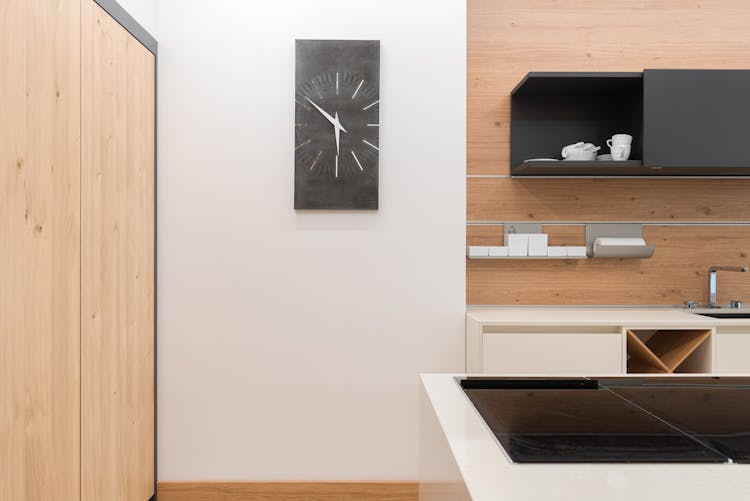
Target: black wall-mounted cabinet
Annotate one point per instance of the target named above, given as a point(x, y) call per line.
point(697, 119)
point(683, 122)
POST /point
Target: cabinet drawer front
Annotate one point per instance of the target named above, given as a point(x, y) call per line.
point(733, 353)
point(550, 353)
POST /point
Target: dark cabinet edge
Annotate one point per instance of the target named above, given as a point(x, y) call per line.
point(576, 74)
point(629, 168)
point(119, 14)
point(580, 168)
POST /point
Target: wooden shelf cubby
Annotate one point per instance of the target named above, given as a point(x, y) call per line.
point(666, 351)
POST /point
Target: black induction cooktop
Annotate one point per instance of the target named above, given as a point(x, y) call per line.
point(613, 420)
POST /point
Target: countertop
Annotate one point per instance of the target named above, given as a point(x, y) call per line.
point(635, 317)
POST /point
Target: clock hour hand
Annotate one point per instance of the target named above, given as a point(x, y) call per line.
point(334, 121)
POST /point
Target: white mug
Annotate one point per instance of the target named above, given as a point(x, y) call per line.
point(620, 139)
point(620, 151)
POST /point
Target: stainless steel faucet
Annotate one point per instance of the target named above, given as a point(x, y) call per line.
point(712, 281)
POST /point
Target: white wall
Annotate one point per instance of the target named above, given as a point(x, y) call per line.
point(290, 343)
point(143, 11)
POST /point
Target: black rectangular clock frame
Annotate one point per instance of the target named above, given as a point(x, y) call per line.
point(337, 110)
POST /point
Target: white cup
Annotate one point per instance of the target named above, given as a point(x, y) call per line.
point(620, 151)
point(620, 139)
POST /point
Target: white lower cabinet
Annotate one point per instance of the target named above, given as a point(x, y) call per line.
point(650, 341)
point(553, 352)
point(732, 350)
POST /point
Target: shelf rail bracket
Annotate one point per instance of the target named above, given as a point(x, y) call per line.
point(617, 240)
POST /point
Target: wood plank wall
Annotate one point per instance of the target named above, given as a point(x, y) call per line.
point(694, 223)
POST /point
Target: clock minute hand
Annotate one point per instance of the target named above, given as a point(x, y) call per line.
point(337, 128)
point(328, 117)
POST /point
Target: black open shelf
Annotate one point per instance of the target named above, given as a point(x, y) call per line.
point(687, 123)
point(552, 109)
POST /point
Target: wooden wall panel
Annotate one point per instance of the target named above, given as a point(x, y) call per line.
point(484, 235)
point(288, 491)
point(676, 273)
point(506, 199)
point(117, 294)
point(39, 250)
point(507, 39)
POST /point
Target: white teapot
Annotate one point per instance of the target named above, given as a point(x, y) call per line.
point(580, 151)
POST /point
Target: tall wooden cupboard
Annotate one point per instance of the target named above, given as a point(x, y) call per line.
point(77, 226)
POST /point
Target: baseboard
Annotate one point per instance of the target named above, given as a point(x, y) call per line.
point(288, 491)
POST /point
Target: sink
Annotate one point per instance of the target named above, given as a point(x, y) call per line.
point(725, 314)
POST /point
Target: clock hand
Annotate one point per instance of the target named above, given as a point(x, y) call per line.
point(337, 128)
point(328, 117)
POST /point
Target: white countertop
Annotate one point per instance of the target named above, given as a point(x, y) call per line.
point(489, 475)
point(636, 317)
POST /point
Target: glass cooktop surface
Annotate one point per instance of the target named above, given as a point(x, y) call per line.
point(645, 420)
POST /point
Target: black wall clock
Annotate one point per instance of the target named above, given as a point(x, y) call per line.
point(337, 125)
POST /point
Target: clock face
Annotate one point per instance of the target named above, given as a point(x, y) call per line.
point(354, 102)
point(337, 126)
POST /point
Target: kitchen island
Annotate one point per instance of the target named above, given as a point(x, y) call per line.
point(463, 456)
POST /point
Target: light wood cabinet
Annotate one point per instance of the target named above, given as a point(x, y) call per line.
point(117, 249)
point(77, 263)
point(39, 250)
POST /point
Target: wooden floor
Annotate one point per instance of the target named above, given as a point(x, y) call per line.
point(288, 491)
